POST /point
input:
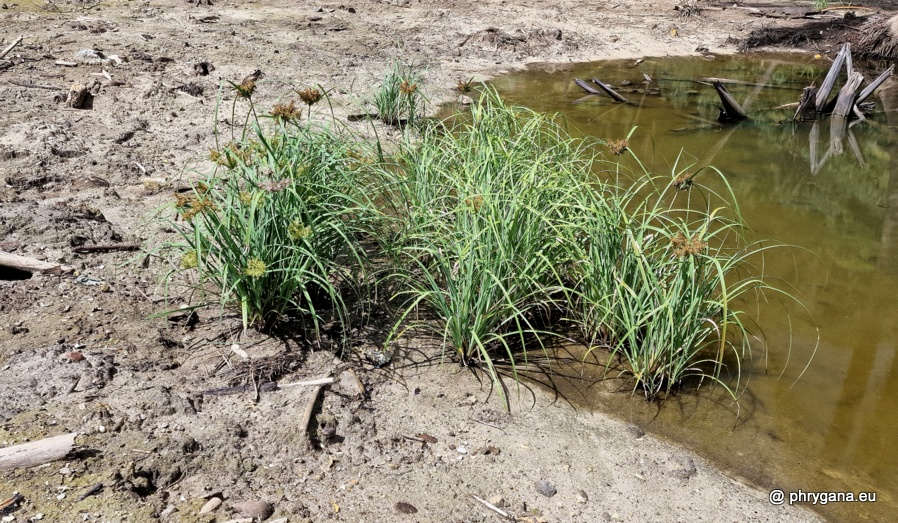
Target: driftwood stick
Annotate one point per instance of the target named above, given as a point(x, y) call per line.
point(11, 46)
point(845, 100)
point(32, 265)
point(307, 415)
point(37, 453)
point(731, 111)
point(827, 86)
point(874, 85)
point(86, 249)
point(610, 91)
point(22, 83)
point(308, 383)
point(492, 507)
point(586, 87)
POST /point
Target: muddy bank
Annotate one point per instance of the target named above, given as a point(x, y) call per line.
point(413, 441)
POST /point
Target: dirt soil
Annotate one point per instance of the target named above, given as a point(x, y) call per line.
point(413, 441)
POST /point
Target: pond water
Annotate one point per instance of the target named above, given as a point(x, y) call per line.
point(835, 427)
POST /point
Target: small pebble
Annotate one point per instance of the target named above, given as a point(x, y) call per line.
point(210, 505)
point(405, 508)
point(582, 497)
point(545, 488)
point(75, 356)
point(254, 509)
point(635, 431)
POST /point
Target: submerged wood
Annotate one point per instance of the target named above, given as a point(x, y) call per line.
point(874, 85)
point(845, 100)
point(827, 86)
point(610, 91)
point(731, 111)
point(837, 127)
point(586, 87)
point(806, 108)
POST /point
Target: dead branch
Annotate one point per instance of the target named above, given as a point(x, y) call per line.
point(845, 100)
point(86, 249)
point(33, 85)
point(308, 383)
point(874, 85)
point(32, 265)
point(11, 46)
point(731, 110)
point(586, 87)
point(37, 453)
point(492, 507)
point(610, 91)
point(307, 415)
point(827, 86)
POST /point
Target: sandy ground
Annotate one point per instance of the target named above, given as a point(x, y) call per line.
point(85, 355)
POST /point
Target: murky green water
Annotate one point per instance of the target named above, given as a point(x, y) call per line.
point(835, 428)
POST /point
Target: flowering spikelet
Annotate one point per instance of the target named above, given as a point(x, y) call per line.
point(189, 206)
point(687, 246)
point(255, 268)
point(407, 88)
point(189, 260)
point(617, 147)
point(298, 231)
point(309, 96)
point(683, 181)
point(464, 87)
point(474, 202)
point(285, 113)
point(245, 88)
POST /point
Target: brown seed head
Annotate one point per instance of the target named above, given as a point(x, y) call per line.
point(687, 246)
point(286, 112)
point(407, 88)
point(617, 147)
point(309, 96)
point(246, 88)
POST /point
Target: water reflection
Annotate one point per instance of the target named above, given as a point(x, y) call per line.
point(829, 188)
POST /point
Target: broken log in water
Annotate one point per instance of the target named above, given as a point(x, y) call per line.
point(827, 86)
point(837, 127)
point(806, 109)
point(610, 92)
point(731, 110)
point(845, 100)
point(586, 87)
point(874, 85)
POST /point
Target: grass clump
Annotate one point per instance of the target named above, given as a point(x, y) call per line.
point(497, 226)
point(474, 208)
point(400, 99)
point(271, 232)
point(655, 282)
